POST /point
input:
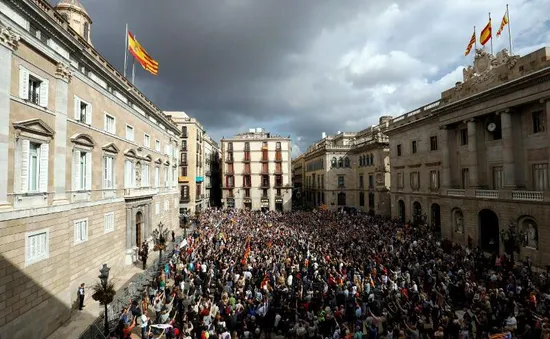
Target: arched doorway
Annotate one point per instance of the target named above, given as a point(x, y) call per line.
point(401, 210)
point(436, 218)
point(417, 213)
point(139, 222)
point(488, 231)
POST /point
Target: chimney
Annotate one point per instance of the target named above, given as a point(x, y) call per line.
point(323, 135)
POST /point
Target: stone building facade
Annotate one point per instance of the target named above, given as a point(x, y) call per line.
point(476, 161)
point(349, 170)
point(257, 171)
point(212, 178)
point(87, 165)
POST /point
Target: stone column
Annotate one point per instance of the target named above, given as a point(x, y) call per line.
point(8, 43)
point(129, 222)
point(472, 150)
point(63, 76)
point(445, 159)
point(508, 164)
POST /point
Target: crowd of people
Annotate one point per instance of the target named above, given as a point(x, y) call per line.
point(323, 274)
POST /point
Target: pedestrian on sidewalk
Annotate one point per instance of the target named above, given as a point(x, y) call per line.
point(173, 236)
point(144, 253)
point(81, 293)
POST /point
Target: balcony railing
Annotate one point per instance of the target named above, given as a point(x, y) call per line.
point(486, 194)
point(229, 160)
point(246, 159)
point(278, 185)
point(185, 200)
point(183, 163)
point(264, 159)
point(140, 192)
point(229, 186)
point(455, 192)
point(246, 171)
point(265, 171)
point(278, 157)
point(278, 171)
point(229, 172)
point(184, 135)
point(265, 197)
point(528, 195)
point(247, 185)
point(264, 185)
point(184, 148)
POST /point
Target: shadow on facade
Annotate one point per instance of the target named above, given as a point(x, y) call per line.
point(27, 310)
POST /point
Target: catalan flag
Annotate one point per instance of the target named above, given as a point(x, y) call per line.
point(471, 43)
point(486, 33)
point(146, 61)
point(505, 21)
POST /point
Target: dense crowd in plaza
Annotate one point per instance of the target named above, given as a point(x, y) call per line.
point(335, 275)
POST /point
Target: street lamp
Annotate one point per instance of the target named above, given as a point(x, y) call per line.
point(512, 239)
point(160, 235)
point(104, 292)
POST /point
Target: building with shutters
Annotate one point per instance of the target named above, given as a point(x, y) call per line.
point(257, 172)
point(475, 162)
point(212, 174)
point(88, 165)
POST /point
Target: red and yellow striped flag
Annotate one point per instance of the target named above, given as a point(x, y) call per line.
point(486, 34)
point(145, 60)
point(503, 24)
point(470, 44)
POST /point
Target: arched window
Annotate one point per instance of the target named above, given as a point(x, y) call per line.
point(86, 31)
point(346, 162)
point(372, 159)
point(340, 162)
point(333, 162)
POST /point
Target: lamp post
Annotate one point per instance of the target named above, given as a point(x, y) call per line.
point(106, 297)
point(512, 239)
point(160, 235)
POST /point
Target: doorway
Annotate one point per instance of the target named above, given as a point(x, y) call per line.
point(139, 222)
point(279, 206)
point(401, 210)
point(488, 231)
point(417, 213)
point(436, 218)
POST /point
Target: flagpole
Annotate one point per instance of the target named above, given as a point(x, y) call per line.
point(490, 23)
point(134, 68)
point(125, 50)
point(509, 29)
point(475, 42)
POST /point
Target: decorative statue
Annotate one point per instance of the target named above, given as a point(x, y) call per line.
point(459, 220)
point(531, 235)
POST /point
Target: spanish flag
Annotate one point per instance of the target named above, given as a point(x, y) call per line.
point(503, 24)
point(486, 33)
point(146, 61)
point(471, 43)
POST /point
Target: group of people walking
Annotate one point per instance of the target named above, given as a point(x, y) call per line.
point(324, 274)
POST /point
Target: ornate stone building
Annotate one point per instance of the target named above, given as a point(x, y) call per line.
point(87, 165)
point(257, 171)
point(212, 166)
point(476, 161)
point(349, 170)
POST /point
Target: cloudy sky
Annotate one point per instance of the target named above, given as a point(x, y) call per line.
point(303, 67)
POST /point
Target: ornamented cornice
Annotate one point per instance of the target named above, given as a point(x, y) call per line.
point(63, 72)
point(8, 38)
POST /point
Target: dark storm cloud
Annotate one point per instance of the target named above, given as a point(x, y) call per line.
point(218, 58)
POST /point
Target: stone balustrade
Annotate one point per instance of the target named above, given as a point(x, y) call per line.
point(499, 194)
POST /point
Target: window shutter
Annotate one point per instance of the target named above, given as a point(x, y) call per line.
point(76, 108)
point(89, 114)
point(25, 145)
point(88, 170)
point(76, 170)
point(43, 167)
point(44, 93)
point(133, 174)
point(23, 83)
point(77, 231)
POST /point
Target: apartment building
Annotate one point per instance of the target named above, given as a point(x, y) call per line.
point(212, 166)
point(88, 165)
point(257, 171)
point(192, 164)
point(349, 169)
point(475, 162)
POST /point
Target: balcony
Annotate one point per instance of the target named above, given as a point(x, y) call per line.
point(184, 135)
point(228, 186)
point(183, 178)
point(246, 159)
point(229, 160)
point(184, 148)
point(278, 185)
point(486, 194)
point(185, 200)
point(264, 159)
point(264, 185)
point(183, 162)
point(528, 195)
point(208, 186)
point(231, 173)
point(265, 171)
point(455, 192)
point(278, 171)
point(139, 192)
point(265, 198)
point(208, 173)
point(278, 158)
point(247, 185)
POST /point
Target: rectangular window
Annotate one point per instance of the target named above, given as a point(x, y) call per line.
point(540, 177)
point(108, 172)
point(434, 179)
point(361, 198)
point(341, 181)
point(129, 174)
point(415, 180)
point(361, 182)
point(80, 231)
point(129, 132)
point(463, 136)
point(465, 178)
point(400, 180)
point(166, 205)
point(37, 246)
point(433, 143)
point(497, 177)
point(157, 208)
point(166, 177)
point(157, 177)
point(157, 145)
point(34, 158)
point(33, 88)
point(539, 123)
point(371, 181)
point(145, 175)
point(146, 140)
point(34, 167)
point(398, 150)
point(82, 167)
point(109, 222)
point(413, 147)
point(109, 124)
